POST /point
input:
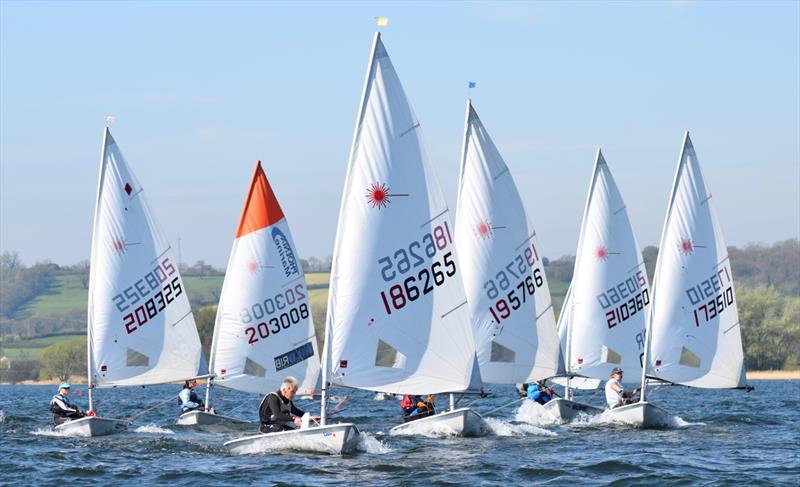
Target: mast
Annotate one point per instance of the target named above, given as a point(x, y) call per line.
point(90, 355)
point(568, 352)
point(326, 365)
point(211, 354)
point(654, 286)
point(568, 355)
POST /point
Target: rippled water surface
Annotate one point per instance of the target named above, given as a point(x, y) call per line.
point(719, 437)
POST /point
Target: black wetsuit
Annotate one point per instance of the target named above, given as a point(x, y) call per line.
point(276, 413)
point(63, 410)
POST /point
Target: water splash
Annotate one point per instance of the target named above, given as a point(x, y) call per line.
point(152, 428)
point(50, 432)
point(499, 427)
point(431, 429)
point(533, 413)
point(2, 416)
point(369, 444)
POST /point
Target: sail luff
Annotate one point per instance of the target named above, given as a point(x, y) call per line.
point(217, 317)
point(326, 366)
point(578, 257)
point(89, 314)
point(659, 260)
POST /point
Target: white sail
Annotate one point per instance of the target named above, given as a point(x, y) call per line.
point(562, 379)
point(396, 311)
point(505, 282)
point(563, 320)
point(140, 328)
point(696, 339)
point(264, 329)
point(609, 294)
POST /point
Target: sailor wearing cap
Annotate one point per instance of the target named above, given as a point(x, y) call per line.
point(63, 410)
point(615, 393)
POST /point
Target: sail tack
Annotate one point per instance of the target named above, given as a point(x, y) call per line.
point(696, 339)
point(604, 317)
point(397, 312)
point(509, 300)
point(141, 329)
point(264, 330)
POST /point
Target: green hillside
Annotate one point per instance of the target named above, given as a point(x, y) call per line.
point(45, 304)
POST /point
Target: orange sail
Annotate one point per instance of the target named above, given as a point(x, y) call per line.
point(261, 209)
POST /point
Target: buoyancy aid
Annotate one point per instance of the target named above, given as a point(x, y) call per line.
point(285, 408)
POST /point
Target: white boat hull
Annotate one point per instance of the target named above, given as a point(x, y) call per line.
point(332, 439)
point(203, 418)
point(641, 415)
point(93, 426)
point(565, 410)
point(458, 422)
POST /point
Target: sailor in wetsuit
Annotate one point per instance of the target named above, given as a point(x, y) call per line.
point(63, 410)
point(188, 398)
point(539, 393)
point(414, 407)
point(277, 411)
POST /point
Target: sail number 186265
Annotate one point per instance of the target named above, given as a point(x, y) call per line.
point(410, 257)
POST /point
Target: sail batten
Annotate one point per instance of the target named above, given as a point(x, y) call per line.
point(140, 329)
point(396, 321)
point(509, 299)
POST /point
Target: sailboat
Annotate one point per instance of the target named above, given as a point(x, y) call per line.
point(140, 328)
point(604, 316)
point(398, 320)
point(693, 336)
point(264, 330)
point(509, 299)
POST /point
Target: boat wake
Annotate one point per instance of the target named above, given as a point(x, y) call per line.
point(606, 418)
point(153, 429)
point(498, 427)
point(425, 428)
point(51, 432)
point(369, 444)
point(533, 413)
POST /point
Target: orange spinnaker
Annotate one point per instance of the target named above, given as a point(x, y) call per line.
point(261, 208)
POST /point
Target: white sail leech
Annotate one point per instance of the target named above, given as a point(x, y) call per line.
point(509, 299)
point(395, 275)
point(140, 327)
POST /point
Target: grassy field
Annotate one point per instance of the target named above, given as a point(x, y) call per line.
point(34, 346)
point(67, 295)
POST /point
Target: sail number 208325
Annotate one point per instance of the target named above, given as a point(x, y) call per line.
point(407, 259)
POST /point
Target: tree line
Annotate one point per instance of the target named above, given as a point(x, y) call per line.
point(767, 281)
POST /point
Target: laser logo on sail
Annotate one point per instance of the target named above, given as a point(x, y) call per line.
point(288, 260)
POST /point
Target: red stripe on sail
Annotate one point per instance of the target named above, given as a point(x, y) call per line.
point(261, 208)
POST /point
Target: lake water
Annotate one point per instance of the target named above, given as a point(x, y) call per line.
point(719, 437)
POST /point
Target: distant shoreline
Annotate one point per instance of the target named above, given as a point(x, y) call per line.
point(773, 374)
point(752, 375)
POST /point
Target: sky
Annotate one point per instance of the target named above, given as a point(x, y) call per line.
point(202, 90)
